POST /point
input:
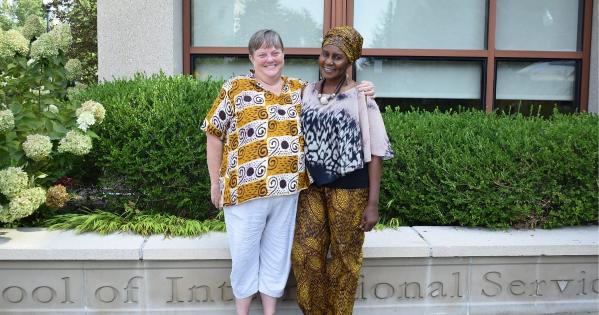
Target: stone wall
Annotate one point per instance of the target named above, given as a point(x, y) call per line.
point(139, 36)
point(419, 270)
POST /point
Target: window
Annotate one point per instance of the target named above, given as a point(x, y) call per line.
point(487, 54)
point(538, 25)
point(424, 83)
point(422, 24)
point(219, 32)
point(536, 87)
point(231, 23)
point(219, 67)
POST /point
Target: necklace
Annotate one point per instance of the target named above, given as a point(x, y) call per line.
point(325, 99)
point(268, 84)
point(270, 87)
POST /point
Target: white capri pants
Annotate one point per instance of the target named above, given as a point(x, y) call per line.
point(260, 233)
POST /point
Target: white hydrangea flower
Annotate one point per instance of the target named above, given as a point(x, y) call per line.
point(62, 36)
point(20, 207)
point(37, 147)
point(12, 181)
point(74, 90)
point(12, 42)
point(75, 142)
point(44, 46)
point(85, 119)
point(52, 109)
point(4, 49)
point(5, 215)
point(95, 108)
point(36, 194)
point(26, 202)
point(7, 120)
point(32, 27)
point(73, 69)
point(18, 42)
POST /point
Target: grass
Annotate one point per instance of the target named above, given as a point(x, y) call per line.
point(143, 223)
point(134, 221)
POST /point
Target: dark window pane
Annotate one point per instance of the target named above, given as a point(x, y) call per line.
point(424, 83)
point(524, 86)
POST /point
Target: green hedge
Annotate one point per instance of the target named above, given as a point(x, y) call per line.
point(470, 168)
point(150, 142)
point(478, 169)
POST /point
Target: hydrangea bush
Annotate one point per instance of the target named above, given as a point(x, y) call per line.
point(42, 130)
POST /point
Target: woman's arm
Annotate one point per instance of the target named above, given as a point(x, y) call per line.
point(214, 155)
point(371, 213)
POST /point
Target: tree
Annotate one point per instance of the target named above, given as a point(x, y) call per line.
point(82, 16)
point(13, 14)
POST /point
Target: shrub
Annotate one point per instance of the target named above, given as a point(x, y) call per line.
point(151, 141)
point(469, 168)
point(39, 140)
point(479, 169)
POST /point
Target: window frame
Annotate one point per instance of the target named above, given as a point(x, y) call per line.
point(577, 79)
point(341, 12)
point(480, 60)
point(294, 56)
point(189, 51)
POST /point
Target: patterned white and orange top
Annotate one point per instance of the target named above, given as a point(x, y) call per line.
point(263, 151)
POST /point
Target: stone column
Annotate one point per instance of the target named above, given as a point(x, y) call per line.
point(139, 36)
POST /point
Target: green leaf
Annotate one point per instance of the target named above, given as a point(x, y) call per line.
point(92, 134)
point(59, 128)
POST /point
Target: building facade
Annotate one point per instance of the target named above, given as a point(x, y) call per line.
point(486, 54)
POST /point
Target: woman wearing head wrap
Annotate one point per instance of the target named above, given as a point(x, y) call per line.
point(346, 142)
point(255, 153)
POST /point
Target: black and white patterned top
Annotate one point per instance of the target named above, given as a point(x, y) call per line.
point(343, 135)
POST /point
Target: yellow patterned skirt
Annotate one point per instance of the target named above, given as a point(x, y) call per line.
point(328, 221)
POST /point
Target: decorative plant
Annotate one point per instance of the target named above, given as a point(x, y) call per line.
point(42, 132)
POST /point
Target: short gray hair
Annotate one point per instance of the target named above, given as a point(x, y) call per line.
point(266, 37)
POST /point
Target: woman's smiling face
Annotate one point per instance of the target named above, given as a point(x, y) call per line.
point(268, 62)
point(333, 62)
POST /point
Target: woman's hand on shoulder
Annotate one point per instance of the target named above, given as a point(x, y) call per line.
point(366, 87)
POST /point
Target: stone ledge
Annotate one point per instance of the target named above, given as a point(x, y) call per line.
point(43, 244)
point(420, 241)
point(406, 271)
point(212, 245)
point(466, 242)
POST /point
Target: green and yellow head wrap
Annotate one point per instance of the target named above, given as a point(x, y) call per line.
point(347, 39)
